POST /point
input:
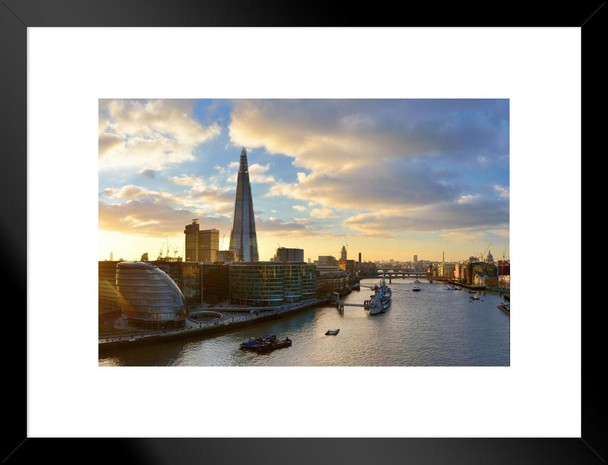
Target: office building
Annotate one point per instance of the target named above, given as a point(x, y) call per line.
point(285, 254)
point(215, 283)
point(327, 264)
point(201, 245)
point(271, 284)
point(224, 256)
point(208, 245)
point(186, 275)
point(243, 238)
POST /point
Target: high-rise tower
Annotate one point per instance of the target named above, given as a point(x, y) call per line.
point(243, 239)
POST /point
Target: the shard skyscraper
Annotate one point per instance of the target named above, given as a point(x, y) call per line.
point(243, 239)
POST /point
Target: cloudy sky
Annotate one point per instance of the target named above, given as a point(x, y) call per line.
point(389, 178)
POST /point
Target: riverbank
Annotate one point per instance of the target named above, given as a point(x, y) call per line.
point(194, 328)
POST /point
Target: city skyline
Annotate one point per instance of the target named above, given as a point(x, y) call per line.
point(388, 178)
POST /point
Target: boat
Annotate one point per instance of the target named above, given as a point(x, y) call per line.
point(457, 288)
point(505, 307)
point(375, 305)
point(253, 342)
point(386, 291)
point(416, 288)
point(332, 332)
point(450, 288)
point(473, 298)
point(472, 292)
point(273, 345)
point(380, 301)
point(416, 281)
point(386, 303)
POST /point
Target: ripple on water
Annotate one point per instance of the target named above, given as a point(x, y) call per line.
point(433, 327)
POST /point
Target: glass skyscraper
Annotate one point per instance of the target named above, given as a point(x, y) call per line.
point(243, 238)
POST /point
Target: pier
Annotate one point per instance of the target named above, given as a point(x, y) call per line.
point(341, 304)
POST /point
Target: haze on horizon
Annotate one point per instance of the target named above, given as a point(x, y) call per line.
point(390, 178)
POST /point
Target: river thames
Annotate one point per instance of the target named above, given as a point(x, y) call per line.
point(433, 327)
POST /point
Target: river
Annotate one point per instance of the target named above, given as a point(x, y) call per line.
point(433, 327)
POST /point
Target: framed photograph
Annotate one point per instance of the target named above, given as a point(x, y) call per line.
point(247, 227)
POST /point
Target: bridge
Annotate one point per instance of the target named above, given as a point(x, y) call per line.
point(397, 273)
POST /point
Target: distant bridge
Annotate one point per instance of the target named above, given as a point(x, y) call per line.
point(392, 273)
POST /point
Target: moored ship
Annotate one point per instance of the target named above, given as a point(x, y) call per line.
point(381, 300)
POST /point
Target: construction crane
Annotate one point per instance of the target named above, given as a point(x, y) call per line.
point(484, 252)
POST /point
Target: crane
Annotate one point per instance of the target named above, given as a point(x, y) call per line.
point(484, 252)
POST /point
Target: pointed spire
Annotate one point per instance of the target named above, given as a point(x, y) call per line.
point(243, 237)
point(243, 167)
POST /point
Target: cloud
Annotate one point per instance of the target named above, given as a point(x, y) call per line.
point(299, 208)
point(503, 191)
point(468, 199)
point(446, 216)
point(148, 173)
point(322, 134)
point(322, 213)
point(185, 180)
point(135, 209)
point(129, 192)
point(257, 174)
point(152, 133)
point(392, 183)
point(153, 216)
point(273, 225)
point(208, 197)
point(358, 154)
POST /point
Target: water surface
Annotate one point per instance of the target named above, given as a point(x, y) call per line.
point(433, 327)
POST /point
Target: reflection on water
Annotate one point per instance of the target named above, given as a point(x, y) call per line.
point(434, 327)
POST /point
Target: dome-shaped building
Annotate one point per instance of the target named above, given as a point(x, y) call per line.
point(148, 295)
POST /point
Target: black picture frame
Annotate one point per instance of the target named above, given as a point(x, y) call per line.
point(16, 16)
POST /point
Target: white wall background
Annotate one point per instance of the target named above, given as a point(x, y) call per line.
point(69, 69)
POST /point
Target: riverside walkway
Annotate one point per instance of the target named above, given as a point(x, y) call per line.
point(193, 327)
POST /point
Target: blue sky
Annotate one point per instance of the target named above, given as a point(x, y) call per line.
point(391, 178)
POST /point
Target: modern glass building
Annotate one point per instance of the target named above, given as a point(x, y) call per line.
point(257, 284)
point(215, 281)
point(271, 284)
point(243, 238)
point(309, 281)
point(108, 296)
point(148, 295)
point(292, 289)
